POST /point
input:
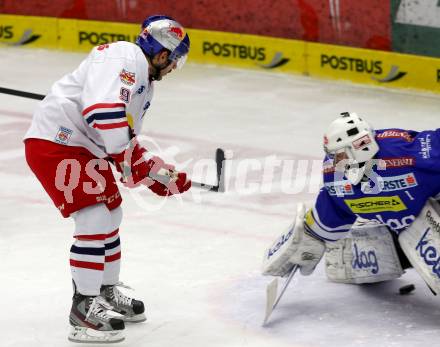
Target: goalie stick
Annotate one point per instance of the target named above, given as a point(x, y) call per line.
point(219, 153)
point(272, 299)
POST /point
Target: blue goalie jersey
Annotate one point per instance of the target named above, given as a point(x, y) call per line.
point(406, 176)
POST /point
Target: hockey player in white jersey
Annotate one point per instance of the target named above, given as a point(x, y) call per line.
point(91, 117)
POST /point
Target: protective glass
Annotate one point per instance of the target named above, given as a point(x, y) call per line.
point(180, 54)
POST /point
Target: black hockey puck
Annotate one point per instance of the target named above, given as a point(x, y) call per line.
point(404, 290)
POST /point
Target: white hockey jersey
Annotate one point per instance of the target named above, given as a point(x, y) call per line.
point(96, 105)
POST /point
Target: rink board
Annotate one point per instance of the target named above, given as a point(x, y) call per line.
point(364, 66)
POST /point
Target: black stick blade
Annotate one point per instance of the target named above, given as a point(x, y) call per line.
point(220, 161)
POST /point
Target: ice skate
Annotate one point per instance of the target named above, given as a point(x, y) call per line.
point(92, 320)
point(132, 310)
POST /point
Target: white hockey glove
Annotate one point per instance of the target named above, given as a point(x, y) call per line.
point(294, 247)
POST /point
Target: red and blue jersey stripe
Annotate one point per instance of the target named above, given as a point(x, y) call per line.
point(104, 116)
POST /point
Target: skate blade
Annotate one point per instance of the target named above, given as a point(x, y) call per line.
point(135, 319)
point(88, 335)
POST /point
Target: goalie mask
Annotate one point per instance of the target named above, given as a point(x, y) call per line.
point(350, 143)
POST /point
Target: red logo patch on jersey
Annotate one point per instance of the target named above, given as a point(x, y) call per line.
point(127, 77)
point(124, 95)
point(395, 134)
point(389, 163)
point(410, 179)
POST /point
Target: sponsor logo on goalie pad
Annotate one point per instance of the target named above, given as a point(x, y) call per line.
point(364, 260)
point(429, 253)
point(432, 222)
point(279, 243)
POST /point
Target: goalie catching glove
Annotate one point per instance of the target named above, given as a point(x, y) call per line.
point(138, 166)
point(295, 247)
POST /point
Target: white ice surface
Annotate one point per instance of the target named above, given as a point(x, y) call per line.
point(196, 261)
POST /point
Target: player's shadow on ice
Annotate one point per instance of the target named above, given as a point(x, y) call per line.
point(419, 308)
point(352, 304)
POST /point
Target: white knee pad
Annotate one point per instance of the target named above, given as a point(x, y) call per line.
point(367, 256)
point(93, 220)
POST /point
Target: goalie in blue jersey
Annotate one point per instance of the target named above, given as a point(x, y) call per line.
point(376, 213)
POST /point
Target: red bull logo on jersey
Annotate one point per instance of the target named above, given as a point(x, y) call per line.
point(127, 77)
point(389, 184)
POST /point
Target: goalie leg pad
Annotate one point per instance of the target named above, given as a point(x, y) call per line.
point(421, 244)
point(293, 247)
point(368, 256)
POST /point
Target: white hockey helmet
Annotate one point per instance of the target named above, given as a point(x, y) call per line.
point(351, 138)
point(163, 32)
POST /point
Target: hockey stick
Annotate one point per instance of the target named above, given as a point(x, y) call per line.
point(220, 167)
point(219, 154)
point(21, 93)
point(271, 294)
point(220, 162)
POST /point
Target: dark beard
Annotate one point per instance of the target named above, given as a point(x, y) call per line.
point(155, 76)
